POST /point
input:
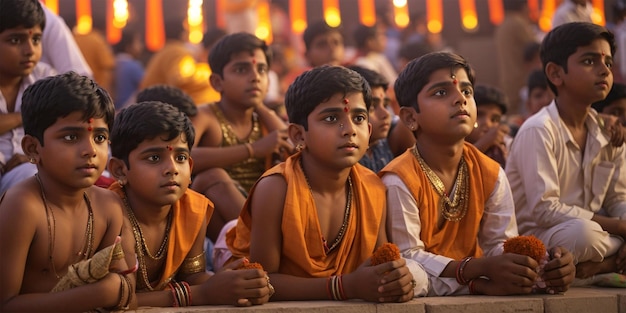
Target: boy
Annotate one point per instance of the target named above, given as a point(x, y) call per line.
point(21, 26)
point(237, 136)
point(57, 218)
point(450, 206)
point(574, 170)
point(150, 143)
point(313, 221)
point(539, 94)
point(489, 135)
point(370, 43)
point(614, 104)
point(378, 154)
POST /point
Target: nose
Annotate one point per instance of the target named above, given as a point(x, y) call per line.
point(347, 128)
point(460, 97)
point(90, 148)
point(28, 48)
point(170, 166)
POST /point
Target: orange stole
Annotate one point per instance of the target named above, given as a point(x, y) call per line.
point(188, 214)
point(302, 248)
point(455, 240)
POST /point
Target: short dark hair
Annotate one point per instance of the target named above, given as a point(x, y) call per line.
point(170, 95)
point(618, 91)
point(126, 40)
point(147, 120)
point(54, 97)
point(537, 79)
point(315, 29)
point(417, 74)
point(234, 43)
point(414, 50)
point(486, 94)
point(317, 86)
point(563, 41)
point(362, 34)
point(212, 36)
point(373, 78)
point(25, 13)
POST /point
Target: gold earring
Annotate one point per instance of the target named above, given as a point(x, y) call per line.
point(32, 160)
point(299, 147)
point(121, 182)
point(476, 125)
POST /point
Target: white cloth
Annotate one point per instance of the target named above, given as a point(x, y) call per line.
point(497, 225)
point(569, 12)
point(11, 141)
point(379, 63)
point(59, 48)
point(554, 182)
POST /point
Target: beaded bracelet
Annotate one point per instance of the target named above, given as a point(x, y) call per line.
point(460, 269)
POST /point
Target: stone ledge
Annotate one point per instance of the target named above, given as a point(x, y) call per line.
point(583, 300)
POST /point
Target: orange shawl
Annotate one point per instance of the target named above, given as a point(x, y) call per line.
point(188, 213)
point(303, 252)
point(455, 240)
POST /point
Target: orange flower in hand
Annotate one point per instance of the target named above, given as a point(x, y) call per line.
point(385, 253)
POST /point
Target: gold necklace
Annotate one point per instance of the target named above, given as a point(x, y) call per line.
point(452, 210)
point(346, 215)
point(142, 248)
point(85, 252)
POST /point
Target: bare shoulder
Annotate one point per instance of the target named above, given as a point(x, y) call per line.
point(269, 193)
point(22, 202)
point(105, 202)
point(207, 127)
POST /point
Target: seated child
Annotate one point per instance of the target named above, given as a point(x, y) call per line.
point(490, 135)
point(58, 218)
point(613, 111)
point(165, 221)
point(314, 220)
point(378, 154)
point(539, 94)
point(568, 180)
point(449, 205)
point(238, 136)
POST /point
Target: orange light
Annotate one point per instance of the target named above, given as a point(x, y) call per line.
point(155, 34)
point(195, 21)
point(401, 13)
point(367, 12)
point(113, 33)
point(469, 19)
point(434, 16)
point(496, 12)
point(545, 19)
point(331, 12)
point(219, 9)
point(83, 16)
point(297, 15)
point(264, 28)
point(52, 5)
point(533, 9)
point(598, 12)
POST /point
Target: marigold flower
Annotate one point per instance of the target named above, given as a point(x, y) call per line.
point(526, 245)
point(385, 253)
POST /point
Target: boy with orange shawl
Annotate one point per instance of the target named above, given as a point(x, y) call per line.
point(314, 220)
point(150, 144)
point(450, 206)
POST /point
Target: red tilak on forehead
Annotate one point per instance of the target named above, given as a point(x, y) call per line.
point(253, 61)
point(454, 81)
point(90, 120)
point(169, 147)
point(347, 107)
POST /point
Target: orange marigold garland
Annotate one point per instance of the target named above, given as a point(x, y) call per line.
point(533, 247)
point(250, 265)
point(386, 253)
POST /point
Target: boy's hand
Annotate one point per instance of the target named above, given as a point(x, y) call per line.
point(494, 137)
point(236, 287)
point(274, 142)
point(560, 270)
point(508, 274)
point(387, 282)
point(13, 162)
point(612, 127)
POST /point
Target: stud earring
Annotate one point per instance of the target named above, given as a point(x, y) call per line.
point(32, 160)
point(121, 182)
point(299, 147)
point(476, 125)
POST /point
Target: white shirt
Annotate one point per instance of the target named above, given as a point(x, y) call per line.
point(569, 12)
point(553, 181)
point(404, 225)
point(11, 141)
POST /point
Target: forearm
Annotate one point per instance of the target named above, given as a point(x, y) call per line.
point(269, 118)
point(210, 157)
point(290, 288)
point(10, 121)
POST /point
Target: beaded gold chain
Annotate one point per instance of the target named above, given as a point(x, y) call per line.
point(346, 215)
point(142, 248)
point(452, 210)
point(86, 251)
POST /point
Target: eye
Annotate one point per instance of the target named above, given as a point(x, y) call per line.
point(71, 137)
point(360, 119)
point(37, 40)
point(468, 91)
point(101, 138)
point(240, 70)
point(330, 118)
point(588, 61)
point(262, 69)
point(182, 157)
point(609, 64)
point(14, 41)
point(440, 92)
point(153, 158)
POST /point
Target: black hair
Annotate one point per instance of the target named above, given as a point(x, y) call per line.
point(144, 121)
point(55, 97)
point(317, 29)
point(362, 34)
point(537, 79)
point(417, 74)
point(531, 50)
point(563, 41)
point(618, 91)
point(414, 50)
point(212, 36)
point(170, 95)
point(25, 13)
point(234, 43)
point(128, 38)
point(317, 86)
point(373, 78)
point(486, 94)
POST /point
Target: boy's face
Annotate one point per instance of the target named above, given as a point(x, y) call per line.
point(589, 76)
point(160, 171)
point(339, 133)
point(75, 150)
point(244, 81)
point(326, 49)
point(617, 108)
point(488, 116)
point(538, 98)
point(20, 49)
point(447, 106)
point(379, 114)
